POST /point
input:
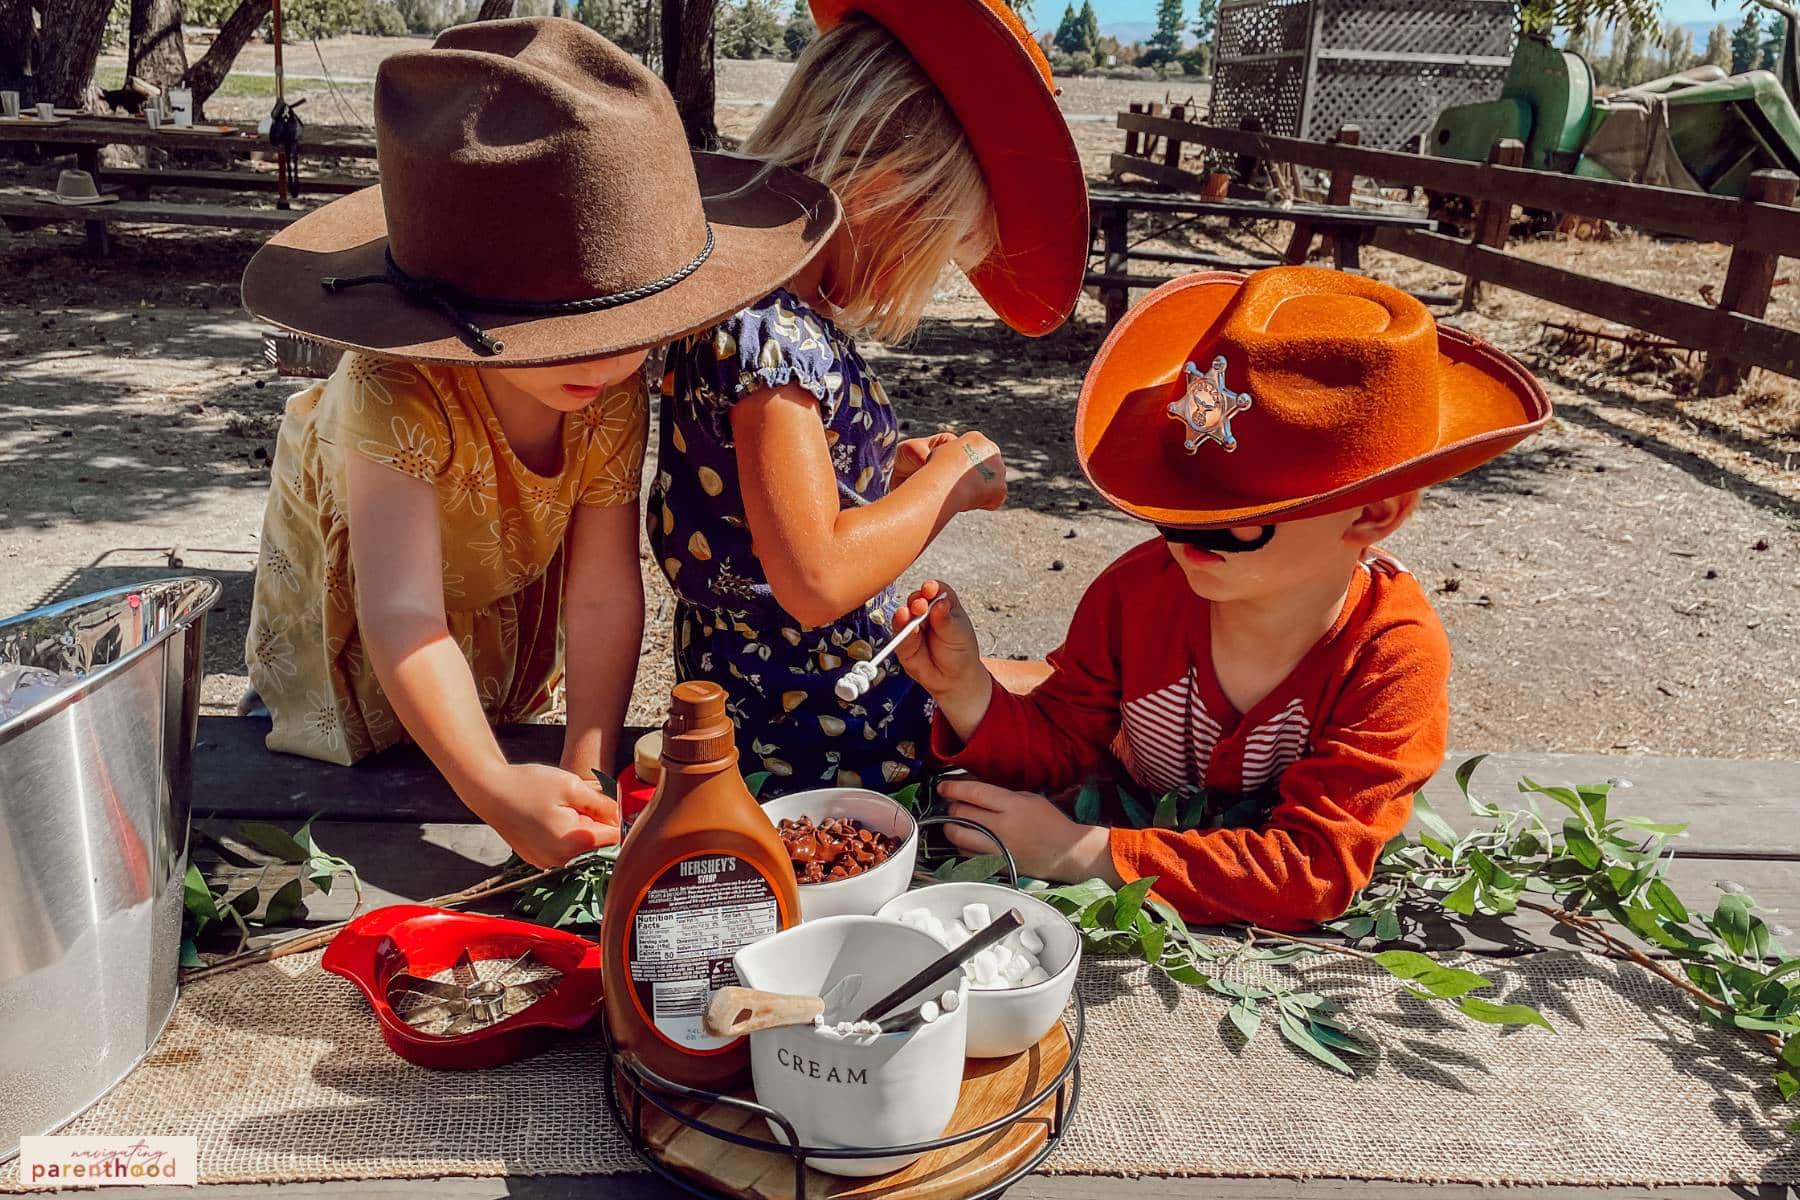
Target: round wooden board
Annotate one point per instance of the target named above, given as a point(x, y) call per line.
point(991, 1088)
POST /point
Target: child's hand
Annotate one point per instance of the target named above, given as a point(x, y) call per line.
point(548, 815)
point(912, 454)
point(1044, 842)
point(982, 484)
point(944, 656)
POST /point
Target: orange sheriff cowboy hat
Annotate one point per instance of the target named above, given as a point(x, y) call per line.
point(989, 69)
point(1226, 400)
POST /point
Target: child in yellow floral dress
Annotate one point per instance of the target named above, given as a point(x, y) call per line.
point(456, 507)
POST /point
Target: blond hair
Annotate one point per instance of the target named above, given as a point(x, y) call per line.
point(861, 117)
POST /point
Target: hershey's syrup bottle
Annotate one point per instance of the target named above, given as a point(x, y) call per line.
point(701, 873)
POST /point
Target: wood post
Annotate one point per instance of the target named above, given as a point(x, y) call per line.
point(1132, 135)
point(1345, 246)
point(1748, 280)
point(1244, 167)
point(1115, 229)
point(1493, 220)
point(99, 242)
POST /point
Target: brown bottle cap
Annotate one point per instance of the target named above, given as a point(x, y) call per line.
point(698, 731)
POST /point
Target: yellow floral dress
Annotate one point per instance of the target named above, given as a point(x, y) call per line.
point(503, 530)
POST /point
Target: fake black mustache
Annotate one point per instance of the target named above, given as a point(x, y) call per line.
point(1218, 541)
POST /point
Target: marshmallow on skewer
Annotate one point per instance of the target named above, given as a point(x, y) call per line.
point(856, 682)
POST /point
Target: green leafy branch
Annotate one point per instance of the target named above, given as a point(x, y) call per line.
point(242, 905)
point(1603, 877)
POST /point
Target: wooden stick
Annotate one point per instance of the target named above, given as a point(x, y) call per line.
point(735, 1011)
point(312, 939)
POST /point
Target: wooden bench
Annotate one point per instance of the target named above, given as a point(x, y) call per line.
point(1111, 210)
point(21, 213)
point(139, 180)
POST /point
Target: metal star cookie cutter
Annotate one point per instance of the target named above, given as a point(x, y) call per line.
point(1208, 406)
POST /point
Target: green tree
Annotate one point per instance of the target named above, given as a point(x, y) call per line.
point(1772, 44)
point(749, 29)
point(1718, 47)
point(1628, 55)
point(1068, 31)
point(1090, 28)
point(1747, 43)
point(1165, 43)
point(801, 29)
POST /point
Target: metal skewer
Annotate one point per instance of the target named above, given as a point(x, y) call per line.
point(860, 678)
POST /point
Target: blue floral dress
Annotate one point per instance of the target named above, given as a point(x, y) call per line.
point(777, 674)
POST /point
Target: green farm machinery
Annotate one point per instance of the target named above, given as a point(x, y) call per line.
point(1701, 130)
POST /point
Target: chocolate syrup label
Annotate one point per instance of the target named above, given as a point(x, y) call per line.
point(684, 930)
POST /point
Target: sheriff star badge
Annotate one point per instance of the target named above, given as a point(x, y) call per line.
point(1208, 406)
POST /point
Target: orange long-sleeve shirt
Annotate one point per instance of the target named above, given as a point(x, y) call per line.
point(1338, 747)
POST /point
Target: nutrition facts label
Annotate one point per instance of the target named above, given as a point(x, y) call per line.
point(683, 934)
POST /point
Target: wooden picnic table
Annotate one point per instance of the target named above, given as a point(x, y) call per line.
point(411, 839)
point(85, 136)
point(1111, 210)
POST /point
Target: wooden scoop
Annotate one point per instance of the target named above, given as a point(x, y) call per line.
point(735, 1011)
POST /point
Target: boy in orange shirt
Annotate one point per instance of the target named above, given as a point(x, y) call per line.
point(1261, 653)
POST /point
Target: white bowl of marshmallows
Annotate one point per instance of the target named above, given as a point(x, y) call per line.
point(1019, 987)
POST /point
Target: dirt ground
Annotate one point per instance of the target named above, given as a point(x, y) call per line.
point(1626, 581)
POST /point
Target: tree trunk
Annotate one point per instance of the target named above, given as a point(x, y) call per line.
point(206, 75)
point(68, 46)
point(16, 43)
point(687, 55)
point(157, 53)
point(495, 10)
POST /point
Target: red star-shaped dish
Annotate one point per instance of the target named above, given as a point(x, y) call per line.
point(1208, 406)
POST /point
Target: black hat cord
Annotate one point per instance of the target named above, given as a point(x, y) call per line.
point(454, 305)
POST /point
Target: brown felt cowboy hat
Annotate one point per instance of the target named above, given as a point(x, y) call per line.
point(538, 204)
point(988, 68)
point(1226, 400)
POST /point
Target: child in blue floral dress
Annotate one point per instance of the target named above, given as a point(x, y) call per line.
point(786, 504)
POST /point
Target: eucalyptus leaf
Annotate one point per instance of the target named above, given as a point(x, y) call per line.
point(1387, 925)
point(1248, 1020)
point(1465, 771)
point(1430, 820)
point(1087, 805)
point(197, 897)
point(1441, 981)
point(1487, 1012)
point(1166, 816)
point(1300, 1036)
point(1130, 900)
point(284, 904)
point(274, 841)
point(1135, 812)
point(978, 869)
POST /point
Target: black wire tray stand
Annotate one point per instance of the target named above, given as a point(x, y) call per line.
point(644, 1087)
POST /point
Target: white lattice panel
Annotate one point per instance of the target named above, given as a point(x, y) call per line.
point(1389, 66)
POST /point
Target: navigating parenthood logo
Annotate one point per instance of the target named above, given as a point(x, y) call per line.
point(60, 1162)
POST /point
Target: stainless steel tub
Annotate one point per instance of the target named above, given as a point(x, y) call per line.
point(95, 783)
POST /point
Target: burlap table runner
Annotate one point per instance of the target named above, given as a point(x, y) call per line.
point(280, 1073)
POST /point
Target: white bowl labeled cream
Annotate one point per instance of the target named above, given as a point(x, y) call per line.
point(840, 1087)
point(1021, 987)
point(873, 884)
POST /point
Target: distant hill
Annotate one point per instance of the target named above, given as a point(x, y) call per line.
point(1129, 31)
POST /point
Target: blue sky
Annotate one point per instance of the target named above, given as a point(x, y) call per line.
point(1145, 10)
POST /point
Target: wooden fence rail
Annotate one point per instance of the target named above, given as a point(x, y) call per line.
point(1760, 228)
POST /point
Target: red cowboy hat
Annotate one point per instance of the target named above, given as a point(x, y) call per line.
point(997, 81)
point(1226, 400)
